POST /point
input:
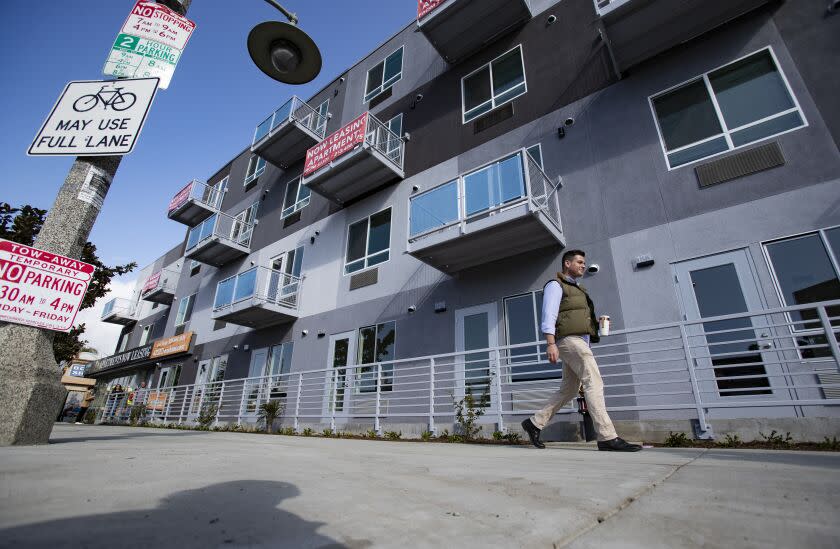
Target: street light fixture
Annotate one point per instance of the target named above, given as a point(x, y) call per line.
point(283, 51)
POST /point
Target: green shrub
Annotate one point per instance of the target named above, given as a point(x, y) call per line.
point(372, 433)
point(426, 436)
point(327, 433)
point(498, 435)
point(393, 435)
point(512, 438)
point(137, 414)
point(677, 440)
point(468, 411)
point(445, 436)
point(307, 432)
point(207, 416)
point(270, 411)
point(288, 431)
point(776, 440)
point(730, 441)
point(829, 444)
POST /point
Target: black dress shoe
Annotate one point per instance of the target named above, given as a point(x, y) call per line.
point(617, 444)
point(533, 433)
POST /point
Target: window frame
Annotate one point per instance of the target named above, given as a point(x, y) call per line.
point(250, 176)
point(367, 243)
point(538, 146)
point(296, 207)
point(726, 132)
point(494, 105)
point(360, 366)
point(382, 88)
point(190, 300)
point(326, 104)
point(146, 334)
point(541, 354)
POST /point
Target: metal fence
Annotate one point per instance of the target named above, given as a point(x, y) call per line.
point(380, 137)
point(293, 110)
point(781, 362)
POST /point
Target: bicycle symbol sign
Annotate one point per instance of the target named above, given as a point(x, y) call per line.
point(96, 118)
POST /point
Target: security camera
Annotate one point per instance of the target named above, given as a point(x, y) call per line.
point(419, 97)
point(551, 19)
point(304, 332)
point(415, 188)
point(594, 268)
point(411, 308)
point(317, 233)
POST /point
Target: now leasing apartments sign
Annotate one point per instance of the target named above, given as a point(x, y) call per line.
point(341, 142)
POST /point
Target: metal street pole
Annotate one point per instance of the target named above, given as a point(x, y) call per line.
point(31, 394)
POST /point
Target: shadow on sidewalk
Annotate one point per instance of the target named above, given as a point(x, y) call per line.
point(140, 434)
point(235, 514)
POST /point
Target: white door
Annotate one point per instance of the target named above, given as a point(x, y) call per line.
point(201, 378)
point(255, 389)
point(476, 328)
point(733, 357)
point(339, 380)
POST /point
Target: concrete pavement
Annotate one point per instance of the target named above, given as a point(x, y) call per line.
point(130, 487)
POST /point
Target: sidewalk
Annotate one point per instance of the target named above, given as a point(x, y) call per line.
point(130, 487)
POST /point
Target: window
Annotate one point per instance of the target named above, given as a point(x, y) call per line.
point(536, 153)
point(384, 75)
point(169, 376)
point(195, 267)
point(185, 308)
point(523, 314)
point(147, 331)
point(285, 277)
point(376, 345)
point(743, 102)
point(494, 84)
point(297, 198)
point(213, 194)
point(368, 242)
point(123, 343)
point(806, 271)
point(256, 166)
point(323, 111)
point(243, 225)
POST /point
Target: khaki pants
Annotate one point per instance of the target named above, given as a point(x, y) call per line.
point(579, 367)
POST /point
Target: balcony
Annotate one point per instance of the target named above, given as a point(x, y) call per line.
point(284, 137)
point(459, 28)
point(119, 311)
point(195, 202)
point(499, 210)
point(257, 298)
point(160, 287)
point(219, 239)
point(639, 29)
point(359, 158)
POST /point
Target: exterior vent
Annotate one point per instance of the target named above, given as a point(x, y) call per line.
point(180, 329)
point(381, 97)
point(219, 324)
point(366, 278)
point(740, 164)
point(493, 118)
point(830, 377)
point(292, 219)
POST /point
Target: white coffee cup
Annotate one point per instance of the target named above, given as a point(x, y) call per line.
point(604, 325)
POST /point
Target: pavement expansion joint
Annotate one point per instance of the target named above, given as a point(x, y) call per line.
point(626, 502)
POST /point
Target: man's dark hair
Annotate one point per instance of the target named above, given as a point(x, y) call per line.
point(568, 256)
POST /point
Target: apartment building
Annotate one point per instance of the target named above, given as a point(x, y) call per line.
point(378, 250)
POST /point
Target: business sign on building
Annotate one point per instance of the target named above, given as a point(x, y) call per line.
point(424, 7)
point(149, 44)
point(39, 288)
point(337, 144)
point(78, 370)
point(96, 118)
point(172, 345)
point(151, 283)
point(181, 198)
point(138, 354)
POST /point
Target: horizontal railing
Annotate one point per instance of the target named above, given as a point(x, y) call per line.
point(780, 358)
point(120, 307)
point(500, 185)
point(295, 109)
point(164, 280)
point(222, 226)
point(198, 191)
point(259, 285)
point(380, 137)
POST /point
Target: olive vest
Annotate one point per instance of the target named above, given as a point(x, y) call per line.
point(576, 315)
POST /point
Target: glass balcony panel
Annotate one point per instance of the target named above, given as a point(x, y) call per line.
point(245, 285)
point(436, 208)
point(224, 293)
point(494, 185)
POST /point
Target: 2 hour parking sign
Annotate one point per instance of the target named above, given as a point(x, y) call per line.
point(39, 288)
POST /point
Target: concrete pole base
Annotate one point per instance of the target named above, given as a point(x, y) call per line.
point(31, 393)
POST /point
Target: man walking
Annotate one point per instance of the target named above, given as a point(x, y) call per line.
point(569, 325)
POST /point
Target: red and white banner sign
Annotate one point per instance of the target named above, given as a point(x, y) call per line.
point(343, 141)
point(151, 283)
point(181, 198)
point(159, 23)
point(39, 288)
point(426, 6)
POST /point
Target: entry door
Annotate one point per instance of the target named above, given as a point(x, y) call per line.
point(339, 380)
point(476, 328)
point(201, 379)
point(733, 364)
point(254, 388)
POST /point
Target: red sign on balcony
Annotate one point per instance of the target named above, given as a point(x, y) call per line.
point(426, 6)
point(337, 144)
point(181, 198)
point(151, 283)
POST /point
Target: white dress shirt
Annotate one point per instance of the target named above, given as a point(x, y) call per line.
point(552, 295)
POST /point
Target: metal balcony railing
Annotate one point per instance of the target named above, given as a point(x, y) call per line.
point(223, 227)
point(160, 287)
point(776, 359)
point(199, 192)
point(119, 311)
point(260, 285)
point(380, 137)
point(293, 110)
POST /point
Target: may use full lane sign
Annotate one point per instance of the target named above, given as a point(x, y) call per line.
point(96, 118)
point(39, 288)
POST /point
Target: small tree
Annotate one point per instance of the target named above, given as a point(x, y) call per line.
point(468, 410)
point(270, 411)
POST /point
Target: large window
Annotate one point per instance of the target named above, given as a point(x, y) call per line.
point(256, 167)
point(522, 320)
point(147, 333)
point(743, 102)
point(376, 344)
point(368, 242)
point(384, 75)
point(806, 271)
point(297, 198)
point(185, 308)
point(494, 84)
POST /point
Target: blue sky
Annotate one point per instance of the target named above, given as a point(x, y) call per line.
point(205, 117)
